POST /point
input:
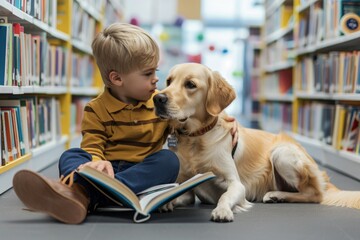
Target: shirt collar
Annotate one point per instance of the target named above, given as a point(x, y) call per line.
point(112, 104)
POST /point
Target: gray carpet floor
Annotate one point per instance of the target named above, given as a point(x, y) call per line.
point(263, 221)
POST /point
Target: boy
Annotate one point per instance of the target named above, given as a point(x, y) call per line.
point(122, 136)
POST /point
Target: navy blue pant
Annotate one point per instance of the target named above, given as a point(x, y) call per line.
point(158, 168)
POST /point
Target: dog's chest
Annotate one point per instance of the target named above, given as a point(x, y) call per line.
point(193, 154)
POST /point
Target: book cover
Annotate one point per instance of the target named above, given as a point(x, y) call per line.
point(328, 123)
point(25, 125)
point(285, 82)
point(3, 54)
point(15, 105)
point(8, 44)
point(36, 60)
point(144, 204)
point(4, 146)
point(340, 77)
point(352, 129)
point(338, 120)
point(357, 77)
point(16, 132)
point(348, 114)
point(8, 137)
point(32, 119)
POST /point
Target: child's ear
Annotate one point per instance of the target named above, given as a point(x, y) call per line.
point(115, 78)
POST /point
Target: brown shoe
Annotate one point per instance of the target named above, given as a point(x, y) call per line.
point(64, 203)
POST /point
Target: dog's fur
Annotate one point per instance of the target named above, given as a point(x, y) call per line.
point(265, 167)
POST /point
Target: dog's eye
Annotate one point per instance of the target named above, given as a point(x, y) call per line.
point(190, 85)
point(168, 81)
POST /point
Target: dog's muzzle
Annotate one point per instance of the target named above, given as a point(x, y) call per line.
point(160, 101)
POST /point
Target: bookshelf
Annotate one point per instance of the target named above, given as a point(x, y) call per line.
point(277, 61)
point(252, 73)
point(54, 73)
point(325, 97)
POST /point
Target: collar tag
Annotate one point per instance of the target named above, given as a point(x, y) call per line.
point(172, 140)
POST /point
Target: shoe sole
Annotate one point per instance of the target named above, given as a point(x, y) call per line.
point(38, 195)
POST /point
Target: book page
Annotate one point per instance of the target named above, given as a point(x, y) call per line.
point(199, 175)
point(146, 198)
point(156, 188)
point(158, 199)
point(148, 194)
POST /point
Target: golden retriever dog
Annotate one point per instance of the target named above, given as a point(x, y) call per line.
point(271, 168)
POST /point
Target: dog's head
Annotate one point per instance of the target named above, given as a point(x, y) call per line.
point(193, 91)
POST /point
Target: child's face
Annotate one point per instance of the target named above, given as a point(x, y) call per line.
point(139, 85)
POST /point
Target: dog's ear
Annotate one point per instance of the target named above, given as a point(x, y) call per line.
point(220, 94)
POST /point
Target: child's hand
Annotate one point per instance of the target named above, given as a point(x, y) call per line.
point(102, 166)
point(234, 129)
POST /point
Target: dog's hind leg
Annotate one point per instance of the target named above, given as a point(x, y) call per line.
point(297, 178)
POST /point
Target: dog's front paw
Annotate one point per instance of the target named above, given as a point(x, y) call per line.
point(168, 207)
point(273, 197)
point(222, 214)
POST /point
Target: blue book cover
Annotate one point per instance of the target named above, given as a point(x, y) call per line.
point(18, 4)
point(3, 54)
point(345, 76)
point(20, 130)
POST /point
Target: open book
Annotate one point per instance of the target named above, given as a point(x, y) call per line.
point(144, 202)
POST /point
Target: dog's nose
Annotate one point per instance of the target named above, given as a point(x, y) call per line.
point(160, 99)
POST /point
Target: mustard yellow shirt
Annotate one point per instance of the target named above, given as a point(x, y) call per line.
point(114, 130)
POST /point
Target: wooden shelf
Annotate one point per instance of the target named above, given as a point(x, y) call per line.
point(15, 163)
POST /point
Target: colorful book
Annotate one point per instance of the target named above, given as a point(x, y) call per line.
point(6, 118)
point(21, 122)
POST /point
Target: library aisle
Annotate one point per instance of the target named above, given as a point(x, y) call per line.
point(294, 65)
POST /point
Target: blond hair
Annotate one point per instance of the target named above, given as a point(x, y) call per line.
point(123, 48)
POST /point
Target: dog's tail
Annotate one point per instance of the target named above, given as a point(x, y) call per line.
point(336, 197)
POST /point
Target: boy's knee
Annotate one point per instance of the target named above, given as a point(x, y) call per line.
point(72, 154)
point(169, 161)
point(170, 157)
